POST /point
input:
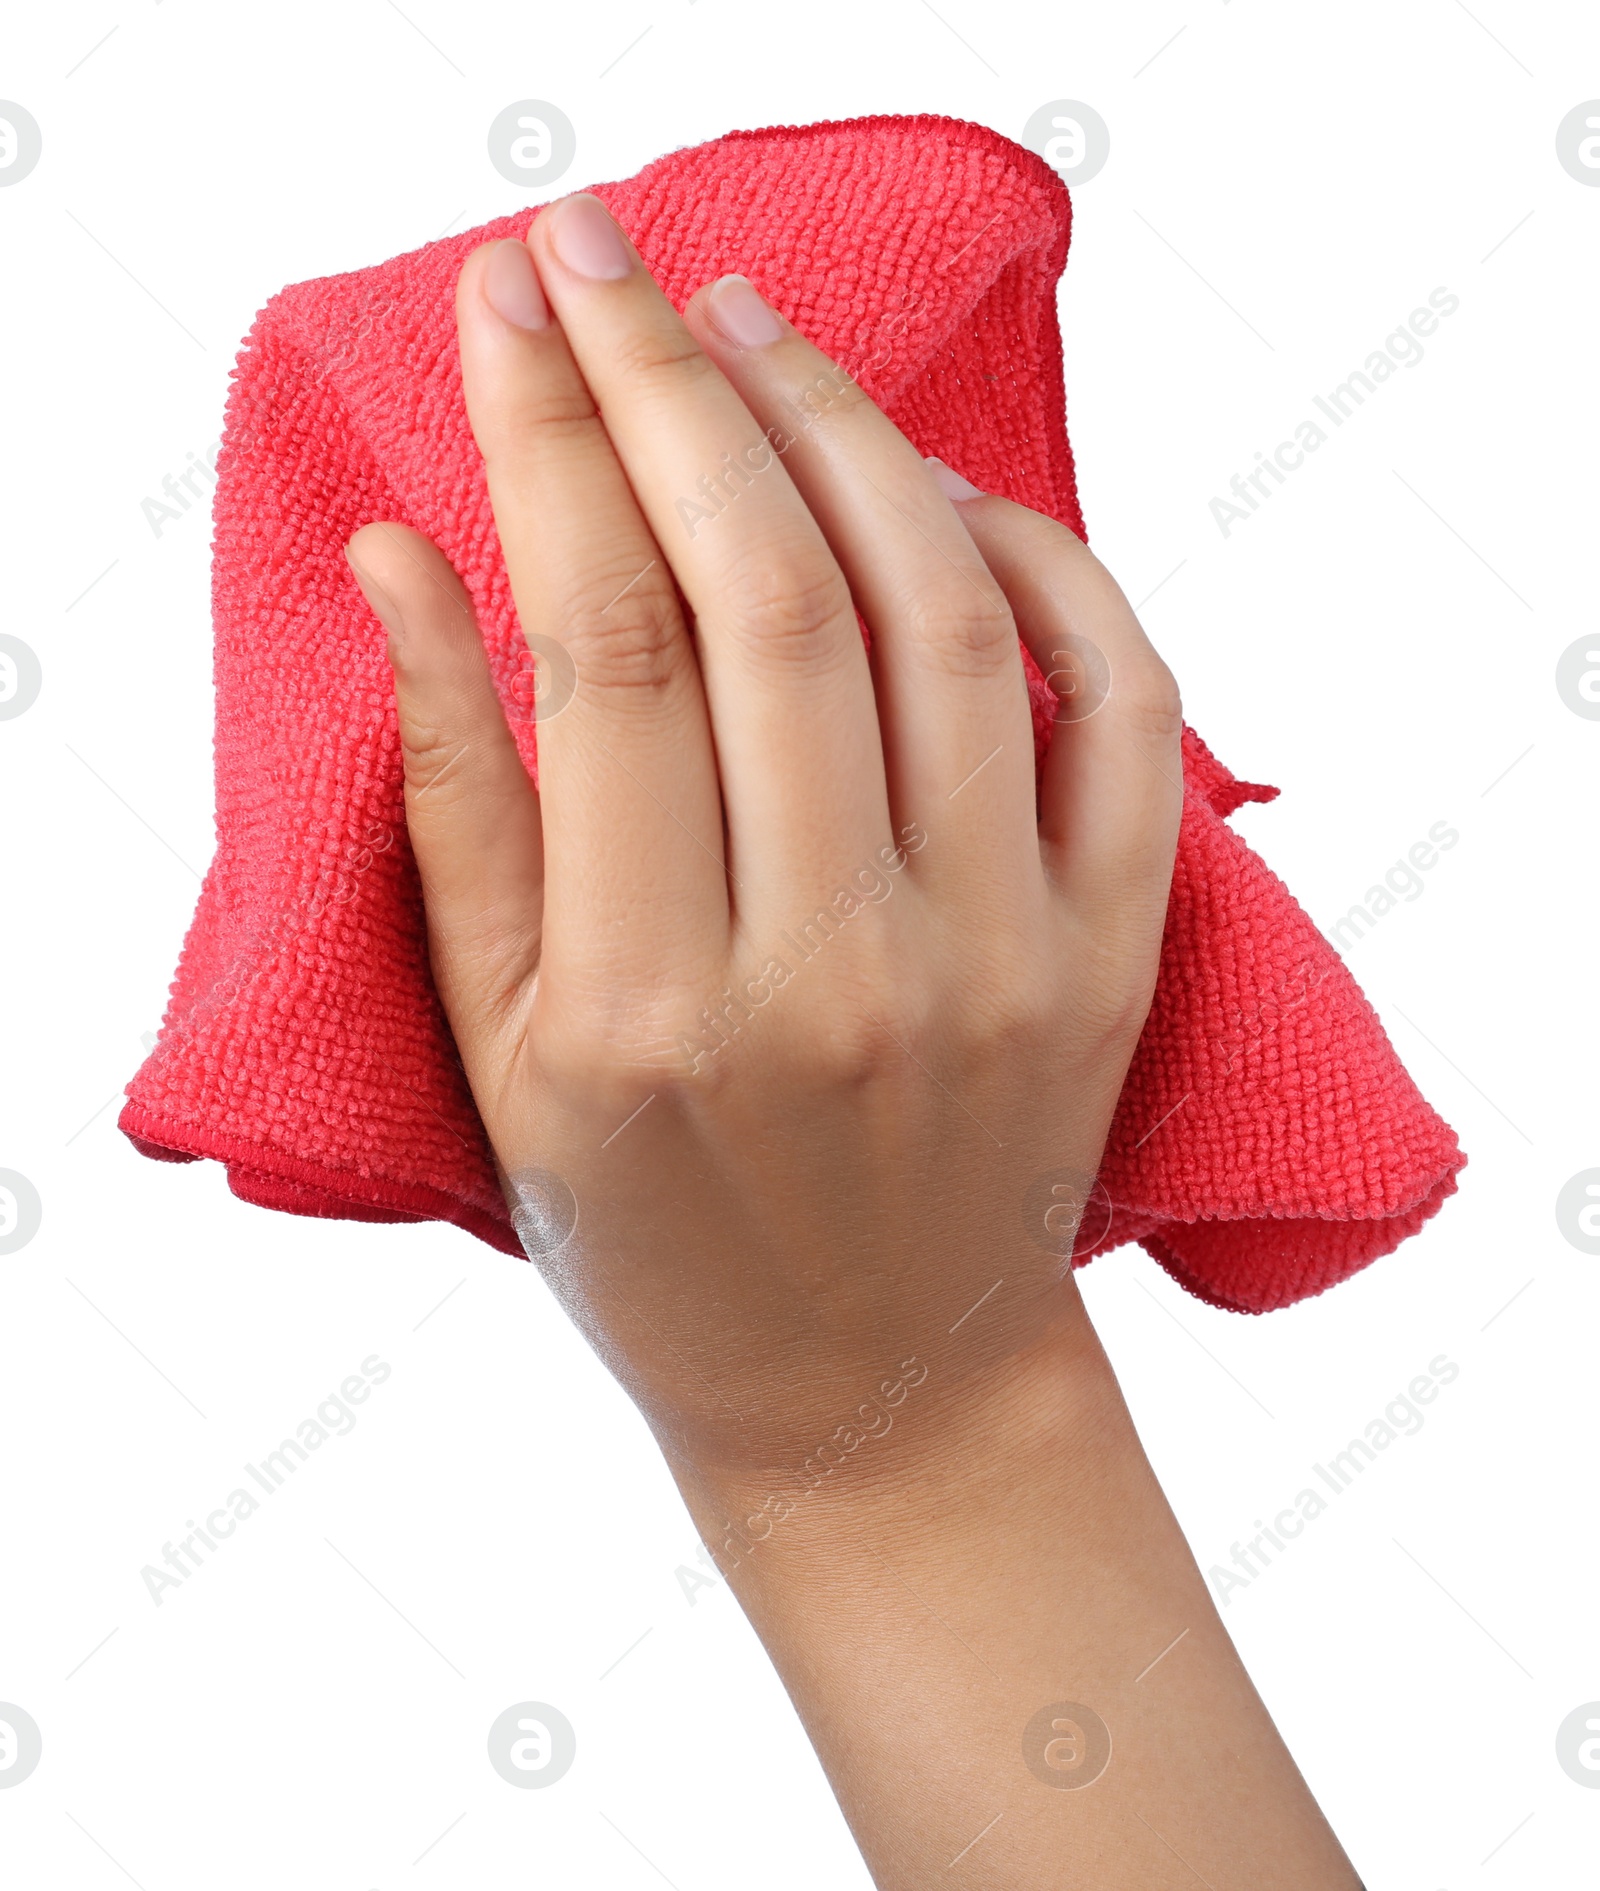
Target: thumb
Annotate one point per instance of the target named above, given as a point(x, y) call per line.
point(472, 812)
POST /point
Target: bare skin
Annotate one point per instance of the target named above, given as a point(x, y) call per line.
point(786, 985)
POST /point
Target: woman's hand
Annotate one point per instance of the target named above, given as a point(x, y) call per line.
point(781, 980)
point(796, 1017)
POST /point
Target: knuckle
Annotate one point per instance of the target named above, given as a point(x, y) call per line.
point(1150, 700)
point(654, 361)
point(527, 421)
point(1013, 1008)
point(967, 630)
point(858, 1042)
point(626, 640)
point(427, 749)
point(787, 605)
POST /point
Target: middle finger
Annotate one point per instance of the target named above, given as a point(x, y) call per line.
point(952, 692)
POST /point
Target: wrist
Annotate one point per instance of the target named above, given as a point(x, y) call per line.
point(924, 1463)
point(1004, 1562)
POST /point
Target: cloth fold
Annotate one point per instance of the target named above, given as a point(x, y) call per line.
point(1268, 1142)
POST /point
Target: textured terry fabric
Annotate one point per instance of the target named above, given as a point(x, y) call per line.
point(1268, 1142)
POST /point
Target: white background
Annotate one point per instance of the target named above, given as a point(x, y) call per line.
point(1286, 183)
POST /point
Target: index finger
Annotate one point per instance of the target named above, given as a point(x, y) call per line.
point(634, 869)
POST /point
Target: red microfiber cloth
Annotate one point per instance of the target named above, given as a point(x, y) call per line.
point(1268, 1142)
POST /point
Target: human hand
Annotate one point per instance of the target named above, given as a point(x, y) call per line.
point(784, 979)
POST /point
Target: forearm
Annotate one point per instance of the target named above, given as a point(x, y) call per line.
point(972, 1568)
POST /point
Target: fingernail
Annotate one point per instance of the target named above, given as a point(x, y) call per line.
point(950, 481)
point(383, 605)
point(736, 306)
point(511, 286)
point(586, 239)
